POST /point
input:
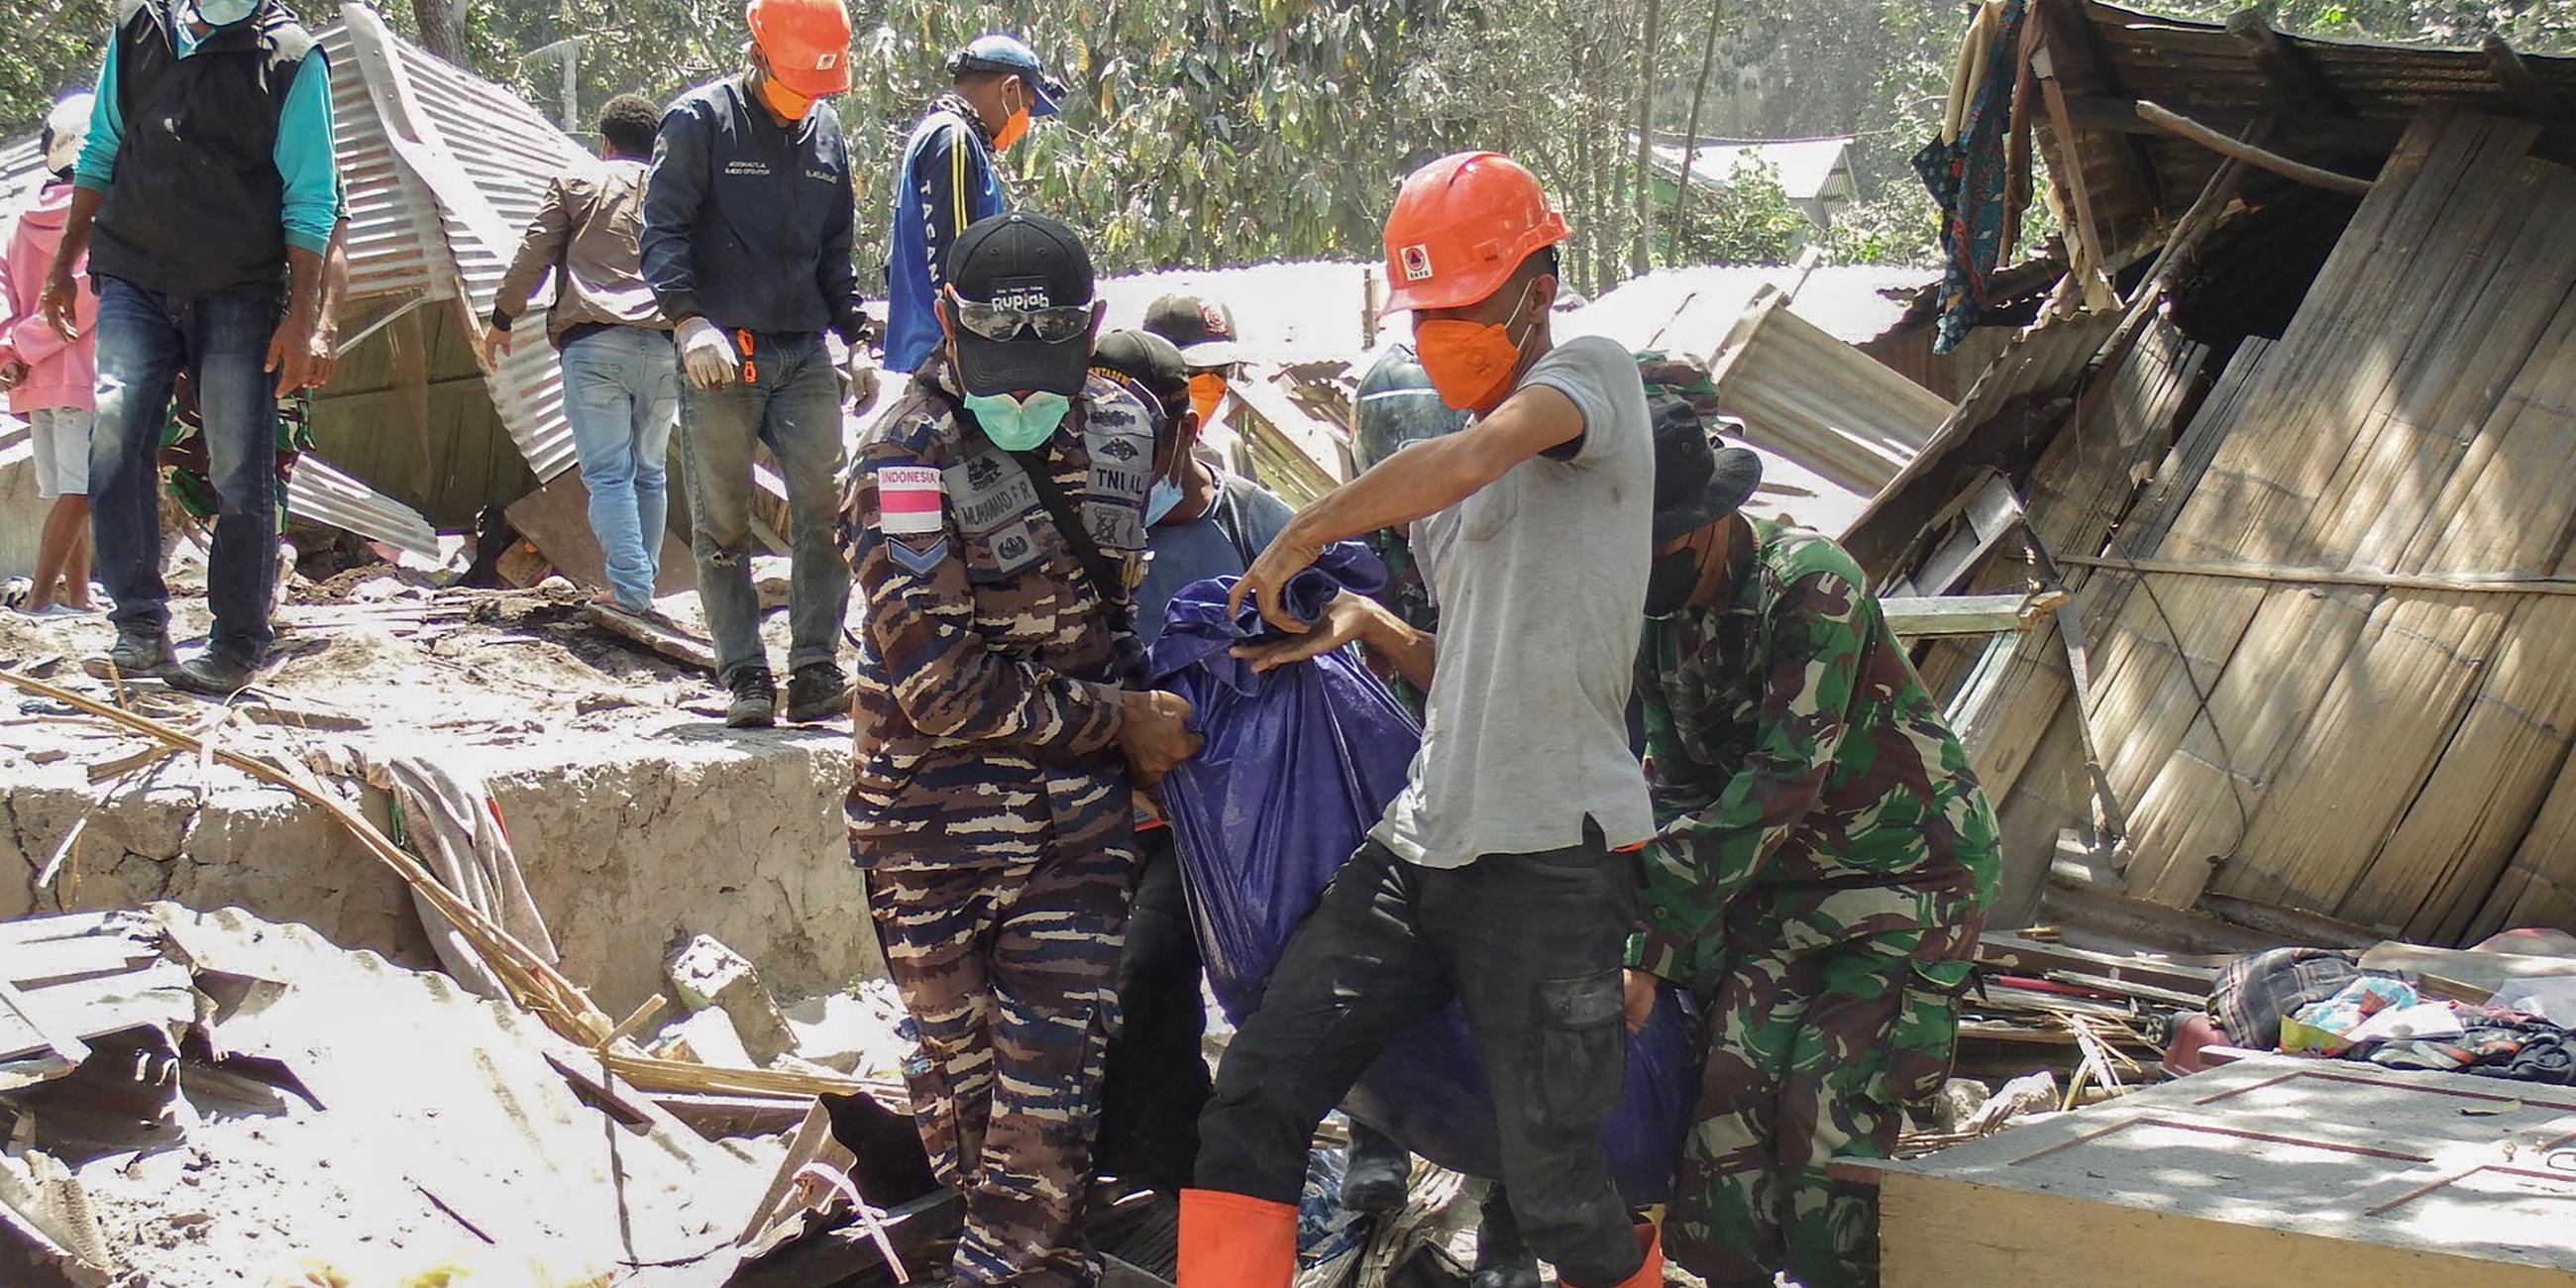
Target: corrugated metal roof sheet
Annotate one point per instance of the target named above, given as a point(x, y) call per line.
point(1308, 312)
point(1691, 310)
point(479, 159)
point(394, 246)
point(1807, 168)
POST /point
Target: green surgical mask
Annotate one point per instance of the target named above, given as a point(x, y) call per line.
point(1016, 425)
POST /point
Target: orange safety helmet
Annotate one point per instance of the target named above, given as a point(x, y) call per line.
point(1460, 226)
point(806, 43)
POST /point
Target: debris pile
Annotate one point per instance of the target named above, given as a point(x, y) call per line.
point(206, 1098)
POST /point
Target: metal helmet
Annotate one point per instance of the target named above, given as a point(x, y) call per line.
point(1397, 405)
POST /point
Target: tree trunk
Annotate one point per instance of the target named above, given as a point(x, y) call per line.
point(439, 32)
point(1643, 258)
point(1690, 132)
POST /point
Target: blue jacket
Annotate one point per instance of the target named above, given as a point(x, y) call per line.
point(948, 184)
point(748, 223)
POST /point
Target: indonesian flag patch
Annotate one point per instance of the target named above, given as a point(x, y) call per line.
point(908, 500)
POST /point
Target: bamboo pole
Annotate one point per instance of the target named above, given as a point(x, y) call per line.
point(2260, 158)
point(2473, 584)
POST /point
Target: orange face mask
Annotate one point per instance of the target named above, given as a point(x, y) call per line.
point(1013, 129)
point(1207, 393)
point(1470, 363)
point(789, 104)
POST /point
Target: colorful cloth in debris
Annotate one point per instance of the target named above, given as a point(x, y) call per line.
point(989, 803)
point(185, 470)
point(1969, 174)
point(1824, 865)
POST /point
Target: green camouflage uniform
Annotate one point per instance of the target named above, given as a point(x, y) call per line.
point(1824, 863)
point(989, 803)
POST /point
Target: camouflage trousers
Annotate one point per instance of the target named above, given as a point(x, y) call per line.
point(1008, 970)
point(1817, 1044)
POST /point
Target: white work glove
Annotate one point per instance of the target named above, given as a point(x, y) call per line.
point(707, 355)
point(861, 372)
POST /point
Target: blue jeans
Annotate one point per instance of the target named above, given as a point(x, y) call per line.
point(621, 391)
point(794, 405)
point(145, 339)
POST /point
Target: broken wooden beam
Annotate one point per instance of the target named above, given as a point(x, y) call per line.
point(2261, 158)
point(657, 636)
point(2511, 72)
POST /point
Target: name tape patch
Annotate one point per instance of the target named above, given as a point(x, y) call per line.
point(908, 500)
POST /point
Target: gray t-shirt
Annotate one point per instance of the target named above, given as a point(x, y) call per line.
point(1541, 579)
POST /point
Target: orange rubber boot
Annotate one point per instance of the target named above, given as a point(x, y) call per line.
point(1650, 1273)
point(1235, 1241)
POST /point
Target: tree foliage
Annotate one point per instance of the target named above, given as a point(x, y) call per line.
point(1224, 131)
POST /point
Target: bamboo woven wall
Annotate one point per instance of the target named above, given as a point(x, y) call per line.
point(2391, 757)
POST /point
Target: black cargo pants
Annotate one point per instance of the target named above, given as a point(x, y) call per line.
point(1530, 946)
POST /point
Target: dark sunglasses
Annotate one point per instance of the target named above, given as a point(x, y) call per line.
point(1003, 322)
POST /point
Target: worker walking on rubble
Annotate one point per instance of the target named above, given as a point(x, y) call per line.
point(621, 383)
point(1499, 877)
point(206, 198)
point(996, 523)
point(997, 89)
point(746, 244)
point(1824, 864)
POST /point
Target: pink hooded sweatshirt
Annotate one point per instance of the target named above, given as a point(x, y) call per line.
point(58, 374)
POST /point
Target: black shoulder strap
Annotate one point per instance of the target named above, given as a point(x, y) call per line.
point(1096, 565)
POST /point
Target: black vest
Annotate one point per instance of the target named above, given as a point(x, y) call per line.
point(196, 207)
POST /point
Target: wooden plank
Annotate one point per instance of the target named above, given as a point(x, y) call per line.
point(1915, 617)
point(1936, 1233)
point(556, 519)
point(2264, 1169)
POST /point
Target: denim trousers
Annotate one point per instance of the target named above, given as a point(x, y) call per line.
point(621, 393)
point(145, 339)
point(790, 400)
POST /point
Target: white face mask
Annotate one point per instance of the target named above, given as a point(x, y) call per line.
point(224, 13)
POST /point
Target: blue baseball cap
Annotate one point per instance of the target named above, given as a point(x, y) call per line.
point(998, 52)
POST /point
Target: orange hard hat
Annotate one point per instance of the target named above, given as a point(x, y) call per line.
point(805, 42)
point(1460, 226)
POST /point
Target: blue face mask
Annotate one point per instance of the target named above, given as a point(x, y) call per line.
point(1015, 425)
point(1160, 499)
point(224, 13)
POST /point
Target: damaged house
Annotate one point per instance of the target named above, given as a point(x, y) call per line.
point(2306, 483)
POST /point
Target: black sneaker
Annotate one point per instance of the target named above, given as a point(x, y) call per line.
point(755, 699)
point(213, 674)
point(817, 692)
point(138, 654)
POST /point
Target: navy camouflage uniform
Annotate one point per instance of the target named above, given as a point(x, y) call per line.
point(989, 802)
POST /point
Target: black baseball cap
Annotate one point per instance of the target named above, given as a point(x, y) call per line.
point(1149, 360)
point(1202, 329)
point(1697, 481)
point(1026, 261)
